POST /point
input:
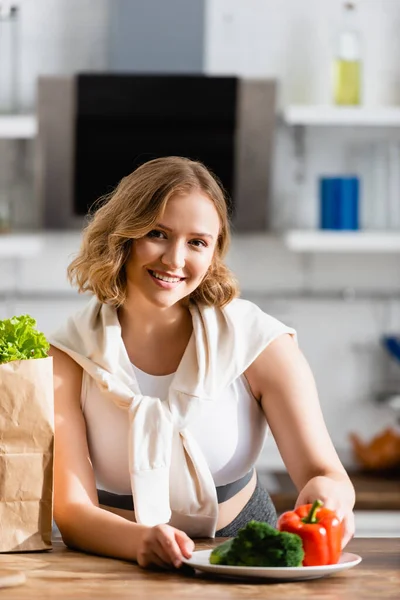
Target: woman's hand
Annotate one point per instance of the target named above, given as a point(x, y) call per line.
point(336, 495)
point(163, 545)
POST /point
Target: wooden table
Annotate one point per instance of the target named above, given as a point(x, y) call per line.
point(63, 574)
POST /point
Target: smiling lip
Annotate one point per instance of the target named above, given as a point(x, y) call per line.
point(165, 284)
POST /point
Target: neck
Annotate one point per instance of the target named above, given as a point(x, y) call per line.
point(142, 319)
point(155, 339)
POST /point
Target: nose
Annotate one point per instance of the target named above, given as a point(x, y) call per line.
point(174, 256)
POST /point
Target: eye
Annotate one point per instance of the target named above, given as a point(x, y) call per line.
point(198, 243)
point(156, 233)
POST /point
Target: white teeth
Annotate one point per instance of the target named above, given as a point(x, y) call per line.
point(164, 278)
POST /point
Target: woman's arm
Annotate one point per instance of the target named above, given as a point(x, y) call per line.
point(82, 523)
point(281, 378)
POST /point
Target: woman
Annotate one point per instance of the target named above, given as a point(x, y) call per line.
point(165, 382)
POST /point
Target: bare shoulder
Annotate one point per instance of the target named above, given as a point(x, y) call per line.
point(66, 371)
point(279, 362)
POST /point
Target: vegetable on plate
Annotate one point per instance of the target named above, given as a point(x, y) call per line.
point(258, 544)
point(320, 530)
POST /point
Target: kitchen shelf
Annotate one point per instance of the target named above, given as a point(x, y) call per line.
point(18, 126)
point(342, 241)
point(384, 116)
point(20, 245)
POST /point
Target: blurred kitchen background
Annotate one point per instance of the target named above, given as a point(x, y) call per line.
point(292, 134)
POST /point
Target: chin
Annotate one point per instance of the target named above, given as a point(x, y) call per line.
point(166, 302)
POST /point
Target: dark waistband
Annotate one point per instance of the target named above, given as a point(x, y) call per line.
point(224, 493)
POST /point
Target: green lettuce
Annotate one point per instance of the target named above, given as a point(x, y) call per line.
point(20, 340)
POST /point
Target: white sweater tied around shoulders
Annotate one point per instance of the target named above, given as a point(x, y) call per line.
point(170, 479)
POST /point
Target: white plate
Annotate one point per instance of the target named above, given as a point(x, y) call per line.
point(201, 560)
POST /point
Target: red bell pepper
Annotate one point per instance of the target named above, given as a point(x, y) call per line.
point(320, 530)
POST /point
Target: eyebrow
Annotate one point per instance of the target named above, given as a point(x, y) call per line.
point(194, 234)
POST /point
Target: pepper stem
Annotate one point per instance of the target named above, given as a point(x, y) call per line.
point(311, 518)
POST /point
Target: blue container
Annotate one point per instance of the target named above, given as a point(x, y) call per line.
point(349, 201)
point(339, 200)
point(329, 195)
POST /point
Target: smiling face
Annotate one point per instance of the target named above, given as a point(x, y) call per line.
point(169, 263)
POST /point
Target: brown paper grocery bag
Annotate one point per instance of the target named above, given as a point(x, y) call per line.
point(26, 454)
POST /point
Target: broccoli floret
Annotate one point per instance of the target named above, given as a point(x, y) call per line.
point(258, 544)
point(219, 555)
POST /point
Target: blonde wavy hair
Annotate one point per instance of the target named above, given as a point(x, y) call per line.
point(130, 212)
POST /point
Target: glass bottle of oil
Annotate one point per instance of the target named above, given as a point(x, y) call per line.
point(347, 68)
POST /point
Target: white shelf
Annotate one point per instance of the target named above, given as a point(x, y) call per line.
point(20, 245)
point(384, 116)
point(18, 126)
point(342, 241)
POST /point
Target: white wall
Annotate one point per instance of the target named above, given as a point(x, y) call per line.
point(294, 40)
point(59, 37)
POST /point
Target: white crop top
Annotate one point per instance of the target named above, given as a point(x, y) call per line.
point(229, 431)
